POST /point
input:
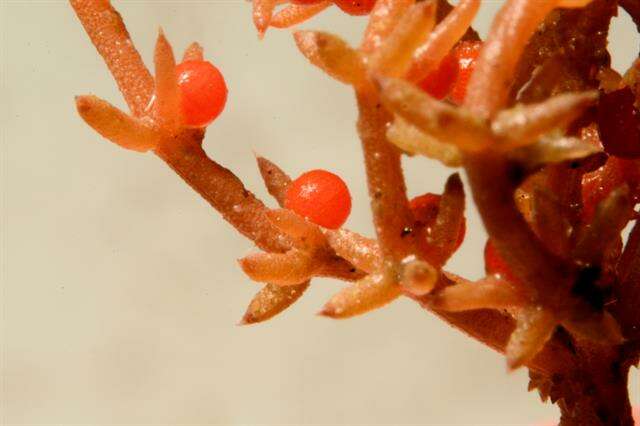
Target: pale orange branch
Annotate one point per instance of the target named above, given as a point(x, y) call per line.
point(111, 38)
point(262, 13)
point(384, 18)
point(115, 125)
point(391, 215)
point(445, 35)
point(394, 55)
point(194, 52)
point(274, 178)
point(167, 99)
point(284, 269)
point(372, 292)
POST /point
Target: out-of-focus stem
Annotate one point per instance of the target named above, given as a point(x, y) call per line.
point(493, 328)
point(492, 181)
point(627, 292)
point(512, 28)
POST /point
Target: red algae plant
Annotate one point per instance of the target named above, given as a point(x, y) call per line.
point(547, 133)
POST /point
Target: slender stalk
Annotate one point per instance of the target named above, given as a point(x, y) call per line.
point(391, 215)
point(109, 34)
point(223, 190)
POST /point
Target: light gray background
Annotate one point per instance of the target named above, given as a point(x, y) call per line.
point(120, 289)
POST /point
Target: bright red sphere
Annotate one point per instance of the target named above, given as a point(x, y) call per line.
point(204, 92)
point(321, 197)
point(438, 83)
point(355, 7)
point(466, 54)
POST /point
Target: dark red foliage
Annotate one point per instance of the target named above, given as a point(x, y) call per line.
point(494, 264)
point(619, 123)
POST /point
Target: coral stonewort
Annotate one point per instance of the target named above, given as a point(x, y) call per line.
point(537, 131)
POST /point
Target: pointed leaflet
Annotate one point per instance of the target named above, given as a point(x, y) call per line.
point(274, 179)
point(167, 102)
point(304, 234)
point(272, 300)
point(611, 216)
point(393, 57)
point(412, 141)
point(364, 253)
point(262, 13)
point(443, 236)
point(295, 14)
point(488, 293)
point(371, 292)
point(442, 39)
point(331, 54)
point(193, 53)
point(552, 149)
point(435, 118)
point(525, 124)
point(115, 125)
point(535, 326)
point(382, 20)
point(284, 269)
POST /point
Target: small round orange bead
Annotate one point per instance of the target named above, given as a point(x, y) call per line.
point(466, 54)
point(321, 197)
point(356, 7)
point(203, 92)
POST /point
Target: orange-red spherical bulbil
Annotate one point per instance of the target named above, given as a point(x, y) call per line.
point(203, 92)
point(356, 7)
point(320, 196)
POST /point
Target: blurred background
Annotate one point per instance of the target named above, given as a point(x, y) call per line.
point(120, 291)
